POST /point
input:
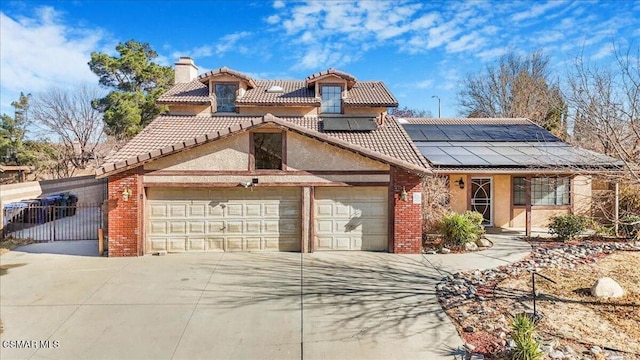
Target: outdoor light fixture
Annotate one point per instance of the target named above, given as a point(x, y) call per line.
point(126, 193)
point(460, 183)
point(403, 194)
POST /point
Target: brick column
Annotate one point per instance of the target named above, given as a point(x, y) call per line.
point(407, 216)
point(123, 215)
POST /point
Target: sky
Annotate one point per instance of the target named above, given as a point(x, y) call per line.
point(418, 49)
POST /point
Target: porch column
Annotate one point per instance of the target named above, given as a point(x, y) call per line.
point(527, 202)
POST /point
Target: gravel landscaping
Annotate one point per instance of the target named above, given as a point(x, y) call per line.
point(574, 325)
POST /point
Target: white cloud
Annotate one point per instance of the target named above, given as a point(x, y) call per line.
point(273, 19)
point(427, 83)
point(536, 10)
point(442, 34)
point(467, 42)
point(41, 52)
point(490, 54)
point(604, 51)
point(278, 4)
point(230, 42)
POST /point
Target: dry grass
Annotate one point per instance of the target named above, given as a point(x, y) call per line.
point(10, 244)
point(571, 313)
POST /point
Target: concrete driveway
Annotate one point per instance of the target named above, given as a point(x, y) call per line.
point(222, 306)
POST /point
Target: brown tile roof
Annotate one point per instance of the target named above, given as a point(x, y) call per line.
point(193, 92)
point(226, 71)
point(370, 93)
point(311, 79)
point(169, 134)
point(294, 93)
point(465, 121)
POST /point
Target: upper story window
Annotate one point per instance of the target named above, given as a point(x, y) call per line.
point(267, 151)
point(331, 99)
point(225, 97)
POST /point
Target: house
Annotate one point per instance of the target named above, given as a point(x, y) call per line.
point(242, 164)
point(512, 171)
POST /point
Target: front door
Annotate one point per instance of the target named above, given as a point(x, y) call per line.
point(481, 196)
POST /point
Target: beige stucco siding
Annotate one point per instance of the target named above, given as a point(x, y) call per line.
point(277, 110)
point(540, 217)
point(582, 195)
point(364, 111)
point(198, 110)
point(225, 154)
point(265, 179)
point(458, 196)
point(501, 200)
point(308, 154)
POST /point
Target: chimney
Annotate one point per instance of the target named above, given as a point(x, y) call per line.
point(186, 70)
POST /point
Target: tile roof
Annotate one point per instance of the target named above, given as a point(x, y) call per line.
point(226, 71)
point(168, 134)
point(319, 75)
point(193, 92)
point(294, 93)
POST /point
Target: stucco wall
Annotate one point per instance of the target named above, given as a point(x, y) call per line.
point(200, 110)
point(582, 195)
point(225, 154)
point(308, 154)
point(458, 197)
point(278, 111)
point(364, 111)
point(501, 200)
point(282, 178)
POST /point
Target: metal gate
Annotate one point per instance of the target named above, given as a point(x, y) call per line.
point(52, 223)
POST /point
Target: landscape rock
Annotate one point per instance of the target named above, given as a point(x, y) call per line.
point(556, 355)
point(469, 329)
point(606, 287)
point(484, 243)
point(470, 246)
point(444, 251)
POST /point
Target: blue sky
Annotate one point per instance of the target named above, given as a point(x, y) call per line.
point(419, 49)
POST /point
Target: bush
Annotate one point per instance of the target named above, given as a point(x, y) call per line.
point(566, 227)
point(459, 229)
point(524, 334)
point(630, 226)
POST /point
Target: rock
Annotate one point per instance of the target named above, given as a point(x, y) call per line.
point(469, 329)
point(556, 355)
point(606, 287)
point(483, 243)
point(470, 246)
point(444, 251)
point(469, 347)
point(595, 350)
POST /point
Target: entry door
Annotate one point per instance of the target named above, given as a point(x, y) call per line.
point(481, 198)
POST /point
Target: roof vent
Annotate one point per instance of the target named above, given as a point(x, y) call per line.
point(275, 89)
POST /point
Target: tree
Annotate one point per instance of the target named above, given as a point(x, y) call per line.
point(515, 87)
point(69, 115)
point(136, 82)
point(406, 112)
point(605, 103)
point(13, 148)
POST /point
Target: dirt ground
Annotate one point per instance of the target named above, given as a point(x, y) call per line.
point(570, 315)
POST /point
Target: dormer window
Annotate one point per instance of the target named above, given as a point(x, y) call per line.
point(226, 97)
point(331, 97)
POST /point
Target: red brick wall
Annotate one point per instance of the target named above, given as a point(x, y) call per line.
point(123, 215)
point(407, 215)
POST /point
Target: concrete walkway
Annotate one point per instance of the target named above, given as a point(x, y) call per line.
point(332, 305)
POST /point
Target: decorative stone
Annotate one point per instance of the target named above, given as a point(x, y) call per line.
point(556, 355)
point(596, 350)
point(469, 329)
point(469, 347)
point(444, 251)
point(470, 246)
point(482, 242)
point(606, 287)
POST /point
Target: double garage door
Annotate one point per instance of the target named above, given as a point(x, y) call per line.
point(264, 219)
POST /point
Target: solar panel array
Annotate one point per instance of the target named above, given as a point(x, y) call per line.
point(349, 124)
point(485, 132)
point(495, 145)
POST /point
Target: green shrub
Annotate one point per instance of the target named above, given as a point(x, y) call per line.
point(630, 226)
point(565, 227)
point(524, 334)
point(459, 229)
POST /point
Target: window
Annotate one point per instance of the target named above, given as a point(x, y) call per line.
point(544, 191)
point(267, 151)
point(225, 97)
point(331, 99)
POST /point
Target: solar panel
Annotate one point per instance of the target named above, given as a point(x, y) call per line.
point(349, 124)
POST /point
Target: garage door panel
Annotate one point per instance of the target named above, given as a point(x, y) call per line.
point(351, 218)
point(223, 219)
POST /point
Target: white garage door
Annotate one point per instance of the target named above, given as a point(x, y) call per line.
point(351, 218)
point(235, 219)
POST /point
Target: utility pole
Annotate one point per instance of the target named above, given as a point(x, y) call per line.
point(437, 97)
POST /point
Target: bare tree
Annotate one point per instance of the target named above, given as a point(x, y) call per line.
point(515, 87)
point(605, 104)
point(69, 115)
point(406, 112)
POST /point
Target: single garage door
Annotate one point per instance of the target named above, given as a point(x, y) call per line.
point(229, 219)
point(352, 218)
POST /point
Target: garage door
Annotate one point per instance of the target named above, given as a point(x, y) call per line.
point(236, 219)
point(351, 218)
